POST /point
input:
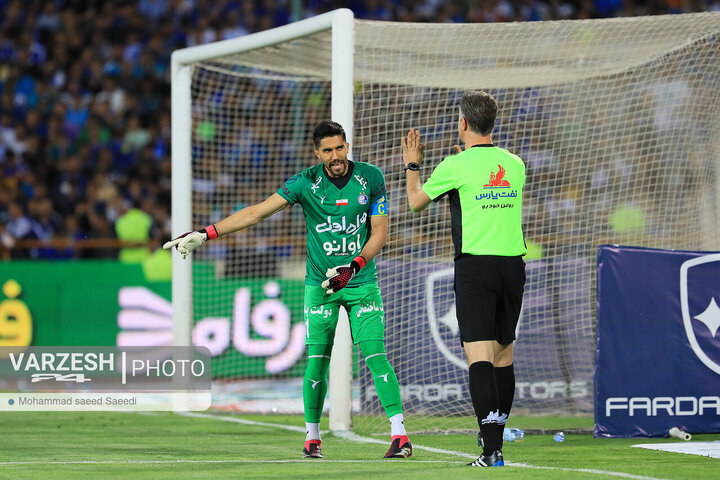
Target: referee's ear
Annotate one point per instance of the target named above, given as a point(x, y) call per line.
point(463, 124)
point(462, 128)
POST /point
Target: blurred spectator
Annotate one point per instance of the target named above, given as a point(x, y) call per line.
point(46, 221)
point(19, 225)
point(100, 228)
point(133, 226)
point(136, 136)
point(628, 218)
point(607, 8)
point(535, 250)
point(85, 123)
point(153, 9)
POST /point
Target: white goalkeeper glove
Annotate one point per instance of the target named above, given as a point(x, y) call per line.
point(339, 277)
point(189, 241)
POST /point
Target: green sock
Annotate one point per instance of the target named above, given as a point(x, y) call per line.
point(315, 383)
point(386, 383)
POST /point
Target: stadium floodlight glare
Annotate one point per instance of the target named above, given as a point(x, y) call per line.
point(616, 120)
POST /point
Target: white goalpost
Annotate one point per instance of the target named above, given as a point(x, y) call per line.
point(616, 120)
point(340, 23)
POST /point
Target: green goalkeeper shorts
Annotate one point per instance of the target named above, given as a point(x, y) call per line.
point(363, 305)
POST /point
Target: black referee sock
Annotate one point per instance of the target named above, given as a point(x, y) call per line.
point(505, 381)
point(483, 392)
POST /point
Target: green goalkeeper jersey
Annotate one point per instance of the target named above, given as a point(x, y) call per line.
point(337, 219)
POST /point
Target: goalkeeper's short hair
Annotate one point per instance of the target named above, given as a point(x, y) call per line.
point(327, 129)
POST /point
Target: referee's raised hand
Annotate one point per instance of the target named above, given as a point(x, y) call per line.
point(413, 150)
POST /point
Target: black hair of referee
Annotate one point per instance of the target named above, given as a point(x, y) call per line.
point(484, 184)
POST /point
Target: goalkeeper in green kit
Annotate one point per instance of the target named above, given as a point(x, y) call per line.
point(345, 208)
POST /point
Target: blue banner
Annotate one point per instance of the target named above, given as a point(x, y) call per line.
point(658, 346)
point(553, 351)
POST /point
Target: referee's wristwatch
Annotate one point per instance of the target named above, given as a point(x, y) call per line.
point(414, 166)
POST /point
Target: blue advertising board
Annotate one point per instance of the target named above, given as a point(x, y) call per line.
point(657, 346)
point(553, 351)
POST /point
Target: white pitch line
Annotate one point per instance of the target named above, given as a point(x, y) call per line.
point(246, 422)
point(585, 470)
point(357, 438)
point(165, 462)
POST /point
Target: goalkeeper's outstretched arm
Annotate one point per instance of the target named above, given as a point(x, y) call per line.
point(247, 217)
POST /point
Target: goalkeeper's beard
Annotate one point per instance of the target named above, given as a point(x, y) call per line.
point(337, 168)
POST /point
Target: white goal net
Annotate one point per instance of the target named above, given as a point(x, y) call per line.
point(617, 121)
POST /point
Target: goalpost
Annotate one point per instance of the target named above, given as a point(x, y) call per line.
point(616, 120)
point(340, 24)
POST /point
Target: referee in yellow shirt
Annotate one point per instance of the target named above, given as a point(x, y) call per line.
point(484, 184)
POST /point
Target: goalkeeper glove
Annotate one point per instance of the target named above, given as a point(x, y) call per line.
point(189, 241)
point(339, 277)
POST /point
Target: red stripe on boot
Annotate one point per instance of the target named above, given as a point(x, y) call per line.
point(308, 442)
point(403, 439)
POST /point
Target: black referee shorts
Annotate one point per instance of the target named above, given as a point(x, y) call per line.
point(488, 296)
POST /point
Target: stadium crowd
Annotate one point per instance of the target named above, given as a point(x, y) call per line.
point(85, 100)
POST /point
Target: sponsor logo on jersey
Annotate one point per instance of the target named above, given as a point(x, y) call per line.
point(495, 195)
point(344, 248)
point(343, 225)
point(497, 180)
point(362, 199)
point(342, 201)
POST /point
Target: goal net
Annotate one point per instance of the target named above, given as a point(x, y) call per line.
point(615, 119)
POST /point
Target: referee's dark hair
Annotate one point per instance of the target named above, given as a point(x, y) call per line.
point(327, 129)
point(480, 110)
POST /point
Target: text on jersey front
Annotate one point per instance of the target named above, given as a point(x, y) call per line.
point(335, 227)
point(343, 248)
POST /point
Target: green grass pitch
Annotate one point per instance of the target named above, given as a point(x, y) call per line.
point(220, 445)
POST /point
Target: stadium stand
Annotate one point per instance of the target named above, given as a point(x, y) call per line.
point(85, 104)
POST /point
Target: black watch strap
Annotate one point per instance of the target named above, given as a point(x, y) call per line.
point(414, 166)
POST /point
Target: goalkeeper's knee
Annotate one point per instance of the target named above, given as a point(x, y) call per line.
point(375, 356)
point(318, 361)
point(380, 368)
